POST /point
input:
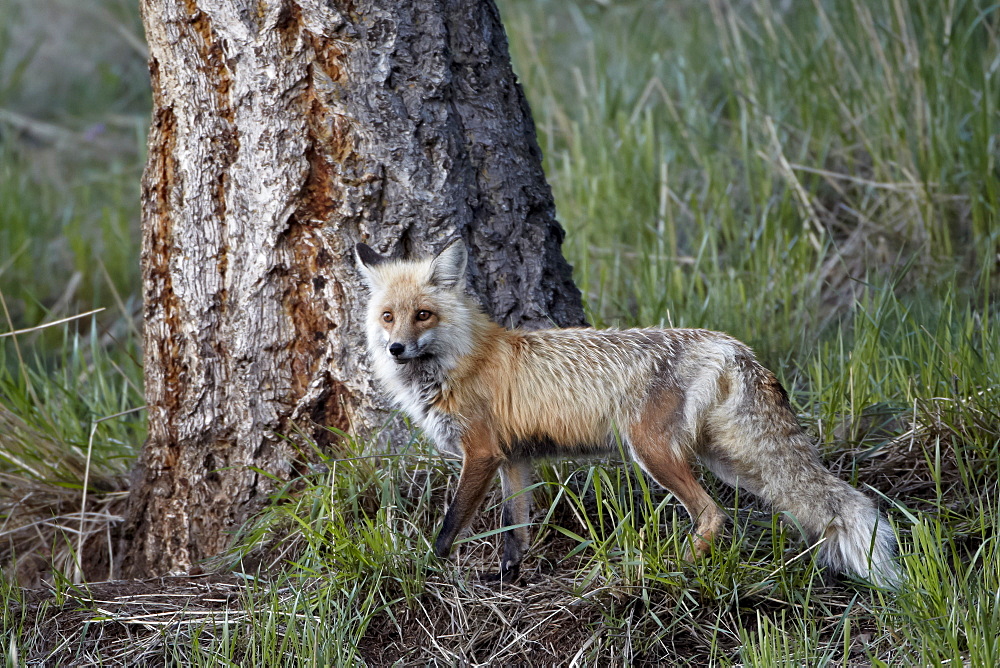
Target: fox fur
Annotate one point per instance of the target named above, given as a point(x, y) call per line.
point(504, 397)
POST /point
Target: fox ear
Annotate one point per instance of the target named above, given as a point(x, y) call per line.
point(448, 267)
point(368, 259)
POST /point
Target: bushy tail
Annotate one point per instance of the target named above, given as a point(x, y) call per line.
point(853, 536)
point(758, 445)
point(859, 539)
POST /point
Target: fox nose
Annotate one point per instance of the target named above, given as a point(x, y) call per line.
point(396, 349)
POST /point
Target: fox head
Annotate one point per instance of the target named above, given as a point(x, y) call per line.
point(417, 309)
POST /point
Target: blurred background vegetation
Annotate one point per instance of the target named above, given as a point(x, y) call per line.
point(819, 179)
point(74, 106)
point(755, 167)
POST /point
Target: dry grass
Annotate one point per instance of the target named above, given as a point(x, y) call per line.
point(565, 610)
point(123, 623)
point(43, 527)
point(45, 518)
point(547, 619)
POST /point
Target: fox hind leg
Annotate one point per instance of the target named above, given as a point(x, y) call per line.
point(675, 474)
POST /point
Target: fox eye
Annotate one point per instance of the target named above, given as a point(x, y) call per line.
point(387, 316)
point(423, 315)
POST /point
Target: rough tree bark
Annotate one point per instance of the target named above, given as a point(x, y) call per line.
point(283, 132)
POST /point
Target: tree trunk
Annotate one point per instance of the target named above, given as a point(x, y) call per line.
point(283, 132)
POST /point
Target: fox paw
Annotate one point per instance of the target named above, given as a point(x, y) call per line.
point(505, 575)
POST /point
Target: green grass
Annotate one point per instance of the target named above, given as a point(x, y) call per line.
point(818, 179)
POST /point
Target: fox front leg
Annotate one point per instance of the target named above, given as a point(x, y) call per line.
point(477, 474)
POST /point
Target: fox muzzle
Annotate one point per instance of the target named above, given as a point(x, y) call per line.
point(399, 353)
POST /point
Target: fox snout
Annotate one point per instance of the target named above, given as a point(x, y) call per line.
point(399, 353)
point(402, 353)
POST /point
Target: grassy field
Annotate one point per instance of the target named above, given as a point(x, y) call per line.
point(819, 179)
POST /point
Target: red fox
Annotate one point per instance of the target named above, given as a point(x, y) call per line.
point(504, 397)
